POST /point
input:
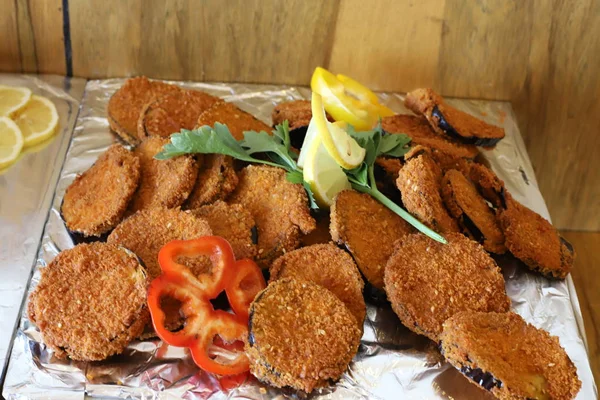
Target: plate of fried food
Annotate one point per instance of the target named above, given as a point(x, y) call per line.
point(355, 246)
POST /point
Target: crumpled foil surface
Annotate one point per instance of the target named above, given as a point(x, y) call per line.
point(392, 362)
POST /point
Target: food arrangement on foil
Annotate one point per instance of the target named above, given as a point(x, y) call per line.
point(259, 248)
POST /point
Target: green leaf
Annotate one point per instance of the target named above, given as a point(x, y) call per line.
point(394, 145)
point(296, 177)
point(262, 142)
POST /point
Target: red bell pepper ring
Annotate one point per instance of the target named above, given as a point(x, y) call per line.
point(214, 337)
point(244, 287)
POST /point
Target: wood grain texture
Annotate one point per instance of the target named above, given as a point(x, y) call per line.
point(587, 282)
point(390, 45)
point(240, 40)
point(10, 54)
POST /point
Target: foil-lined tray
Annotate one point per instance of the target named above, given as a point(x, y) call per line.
point(392, 362)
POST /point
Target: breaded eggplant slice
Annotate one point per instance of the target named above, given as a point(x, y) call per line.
point(509, 357)
point(329, 266)
point(451, 122)
point(163, 183)
point(320, 234)
point(427, 282)
point(421, 133)
point(420, 183)
point(90, 302)
point(126, 104)
point(489, 185)
point(533, 240)
point(236, 120)
point(300, 335)
point(279, 207)
point(368, 229)
point(147, 231)
point(172, 112)
point(298, 113)
point(476, 218)
point(216, 180)
point(232, 222)
point(97, 199)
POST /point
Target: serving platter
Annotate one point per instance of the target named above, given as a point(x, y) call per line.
point(392, 362)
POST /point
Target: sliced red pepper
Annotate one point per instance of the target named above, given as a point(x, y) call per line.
point(214, 337)
point(244, 287)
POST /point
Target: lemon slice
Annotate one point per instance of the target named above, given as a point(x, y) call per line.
point(323, 174)
point(37, 120)
point(346, 152)
point(12, 99)
point(11, 142)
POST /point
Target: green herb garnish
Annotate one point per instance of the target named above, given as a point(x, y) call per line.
point(376, 142)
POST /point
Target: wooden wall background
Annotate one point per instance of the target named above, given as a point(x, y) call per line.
point(542, 55)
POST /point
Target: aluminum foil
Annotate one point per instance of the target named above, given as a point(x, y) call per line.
point(392, 362)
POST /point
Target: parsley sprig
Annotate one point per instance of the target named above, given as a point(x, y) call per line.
point(276, 147)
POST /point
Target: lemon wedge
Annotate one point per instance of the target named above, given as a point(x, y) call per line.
point(13, 99)
point(346, 152)
point(37, 120)
point(11, 142)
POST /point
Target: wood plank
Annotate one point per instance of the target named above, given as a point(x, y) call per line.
point(47, 21)
point(10, 54)
point(587, 282)
point(26, 37)
point(483, 46)
point(247, 41)
point(557, 112)
point(388, 45)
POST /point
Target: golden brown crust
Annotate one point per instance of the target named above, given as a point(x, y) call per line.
point(279, 207)
point(421, 133)
point(90, 302)
point(427, 282)
point(449, 121)
point(163, 183)
point(236, 120)
point(297, 112)
point(301, 335)
point(528, 361)
point(147, 231)
point(476, 218)
point(321, 233)
point(489, 185)
point(419, 182)
point(216, 180)
point(125, 105)
point(172, 112)
point(232, 222)
point(533, 240)
point(328, 266)
point(96, 200)
point(368, 229)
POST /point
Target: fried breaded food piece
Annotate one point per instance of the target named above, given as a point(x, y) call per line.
point(90, 302)
point(321, 233)
point(451, 122)
point(297, 112)
point(328, 266)
point(96, 200)
point(279, 207)
point(421, 133)
point(427, 282)
point(509, 357)
point(172, 112)
point(489, 185)
point(533, 240)
point(445, 161)
point(236, 120)
point(300, 335)
point(476, 218)
point(420, 182)
point(232, 222)
point(125, 105)
point(391, 166)
point(216, 180)
point(147, 231)
point(368, 229)
point(163, 183)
